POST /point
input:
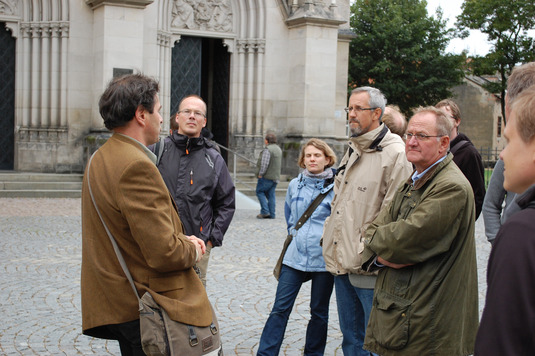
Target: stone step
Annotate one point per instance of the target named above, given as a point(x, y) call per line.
point(39, 177)
point(40, 193)
point(40, 185)
point(246, 183)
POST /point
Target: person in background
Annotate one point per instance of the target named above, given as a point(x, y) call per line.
point(303, 260)
point(508, 324)
point(395, 120)
point(198, 178)
point(268, 171)
point(173, 125)
point(372, 169)
point(494, 212)
point(136, 207)
point(465, 155)
point(423, 244)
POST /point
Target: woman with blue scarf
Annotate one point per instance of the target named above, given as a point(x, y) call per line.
point(303, 260)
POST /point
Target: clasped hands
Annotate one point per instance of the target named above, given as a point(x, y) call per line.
point(199, 245)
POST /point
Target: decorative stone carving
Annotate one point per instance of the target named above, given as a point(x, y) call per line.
point(44, 29)
point(251, 45)
point(205, 15)
point(43, 134)
point(313, 12)
point(164, 39)
point(8, 7)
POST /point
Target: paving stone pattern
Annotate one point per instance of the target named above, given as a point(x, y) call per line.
point(40, 255)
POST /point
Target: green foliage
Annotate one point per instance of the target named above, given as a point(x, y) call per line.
point(505, 22)
point(400, 50)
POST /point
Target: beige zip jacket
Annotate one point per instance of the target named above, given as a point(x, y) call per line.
point(367, 178)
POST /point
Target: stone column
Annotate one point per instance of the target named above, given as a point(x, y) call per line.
point(166, 41)
point(249, 95)
point(64, 28)
point(26, 74)
point(118, 41)
point(313, 35)
point(55, 74)
point(240, 84)
point(261, 50)
point(45, 76)
point(35, 68)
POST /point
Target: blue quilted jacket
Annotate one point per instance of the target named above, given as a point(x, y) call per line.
point(305, 252)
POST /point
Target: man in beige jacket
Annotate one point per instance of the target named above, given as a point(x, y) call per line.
point(370, 172)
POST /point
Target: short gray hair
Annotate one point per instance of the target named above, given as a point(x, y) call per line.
point(377, 98)
point(443, 123)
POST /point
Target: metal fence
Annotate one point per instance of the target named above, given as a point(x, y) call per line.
point(489, 156)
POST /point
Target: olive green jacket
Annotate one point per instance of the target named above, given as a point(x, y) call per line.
point(430, 307)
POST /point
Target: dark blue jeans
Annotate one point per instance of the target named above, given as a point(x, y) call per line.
point(354, 307)
point(265, 192)
point(290, 282)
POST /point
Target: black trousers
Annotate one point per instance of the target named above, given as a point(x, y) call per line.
point(128, 336)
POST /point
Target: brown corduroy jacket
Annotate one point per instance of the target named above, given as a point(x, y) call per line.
point(140, 214)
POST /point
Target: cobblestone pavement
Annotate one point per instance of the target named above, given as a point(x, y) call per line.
point(40, 253)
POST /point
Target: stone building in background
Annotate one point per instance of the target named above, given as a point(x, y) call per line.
point(481, 114)
point(261, 65)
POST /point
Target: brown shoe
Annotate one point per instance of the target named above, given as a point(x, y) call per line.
point(263, 216)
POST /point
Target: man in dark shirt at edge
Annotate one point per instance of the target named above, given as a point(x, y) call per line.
point(465, 155)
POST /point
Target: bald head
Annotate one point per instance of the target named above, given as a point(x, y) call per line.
point(395, 120)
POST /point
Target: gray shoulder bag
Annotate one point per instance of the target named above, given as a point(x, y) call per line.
point(300, 222)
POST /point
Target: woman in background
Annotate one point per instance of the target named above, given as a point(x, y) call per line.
point(303, 260)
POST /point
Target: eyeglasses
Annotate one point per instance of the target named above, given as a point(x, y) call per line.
point(188, 112)
point(350, 109)
point(418, 136)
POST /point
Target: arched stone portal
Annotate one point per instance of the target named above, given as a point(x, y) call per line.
point(269, 65)
point(239, 25)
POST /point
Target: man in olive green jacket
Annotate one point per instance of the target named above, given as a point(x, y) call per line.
point(426, 297)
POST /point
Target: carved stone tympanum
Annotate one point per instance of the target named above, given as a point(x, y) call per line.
point(205, 15)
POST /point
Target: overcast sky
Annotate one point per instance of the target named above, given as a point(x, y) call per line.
point(475, 44)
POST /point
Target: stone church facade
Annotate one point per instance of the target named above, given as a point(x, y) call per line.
point(481, 116)
point(261, 65)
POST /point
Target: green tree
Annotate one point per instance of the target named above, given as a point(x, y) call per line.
point(506, 24)
point(400, 50)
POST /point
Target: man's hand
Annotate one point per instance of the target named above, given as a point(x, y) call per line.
point(199, 245)
point(390, 264)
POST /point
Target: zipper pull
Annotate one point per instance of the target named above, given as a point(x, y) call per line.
point(187, 146)
point(191, 177)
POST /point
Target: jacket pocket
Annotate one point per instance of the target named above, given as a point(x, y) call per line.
point(166, 284)
point(391, 323)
